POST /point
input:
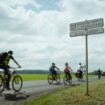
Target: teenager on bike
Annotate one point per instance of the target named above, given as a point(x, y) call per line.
point(5, 57)
point(53, 69)
point(80, 72)
point(67, 70)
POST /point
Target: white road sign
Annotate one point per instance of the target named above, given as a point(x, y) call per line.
point(87, 24)
point(95, 31)
point(78, 33)
point(86, 28)
point(88, 32)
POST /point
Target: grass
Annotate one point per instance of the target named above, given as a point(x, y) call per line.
point(29, 77)
point(73, 95)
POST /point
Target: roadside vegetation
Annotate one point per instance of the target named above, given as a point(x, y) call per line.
point(30, 77)
point(73, 95)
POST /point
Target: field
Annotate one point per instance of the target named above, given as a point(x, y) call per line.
point(73, 95)
point(29, 77)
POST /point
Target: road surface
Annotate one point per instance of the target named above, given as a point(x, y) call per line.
point(33, 89)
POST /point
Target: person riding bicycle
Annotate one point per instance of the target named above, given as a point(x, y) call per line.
point(99, 73)
point(53, 69)
point(79, 73)
point(67, 70)
point(5, 57)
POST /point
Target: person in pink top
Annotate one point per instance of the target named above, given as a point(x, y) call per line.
point(67, 70)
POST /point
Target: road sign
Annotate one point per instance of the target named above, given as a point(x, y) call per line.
point(86, 28)
point(78, 33)
point(95, 31)
point(87, 24)
point(88, 32)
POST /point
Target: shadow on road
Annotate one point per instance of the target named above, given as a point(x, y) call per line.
point(15, 97)
point(75, 85)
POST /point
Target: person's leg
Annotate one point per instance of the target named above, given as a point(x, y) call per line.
point(66, 75)
point(70, 77)
point(7, 73)
point(81, 75)
point(55, 74)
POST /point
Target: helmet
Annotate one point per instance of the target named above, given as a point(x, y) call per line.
point(10, 52)
point(53, 63)
point(66, 64)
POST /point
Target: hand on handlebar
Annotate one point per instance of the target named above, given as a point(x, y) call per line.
point(19, 66)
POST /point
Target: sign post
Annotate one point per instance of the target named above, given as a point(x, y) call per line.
point(87, 86)
point(86, 28)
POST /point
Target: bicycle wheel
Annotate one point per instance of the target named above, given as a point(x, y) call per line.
point(17, 83)
point(57, 78)
point(1, 84)
point(50, 79)
point(70, 80)
point(67, 80)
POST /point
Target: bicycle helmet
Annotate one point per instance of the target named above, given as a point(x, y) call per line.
point(66, 64)
point(53, 63)
point(10, 52)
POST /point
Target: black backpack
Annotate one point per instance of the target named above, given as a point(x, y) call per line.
point(3, 56)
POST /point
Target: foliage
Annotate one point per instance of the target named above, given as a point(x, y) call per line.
point(73, 95)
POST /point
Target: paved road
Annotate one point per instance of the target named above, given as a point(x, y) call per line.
point(32, 89)
point(38, 86)
point(42, 85)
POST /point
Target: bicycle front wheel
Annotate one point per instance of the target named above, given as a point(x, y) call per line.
point(65, 80)
point(57, 78)
point(17, 83)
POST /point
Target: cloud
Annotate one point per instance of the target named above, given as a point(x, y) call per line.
point(39, 37)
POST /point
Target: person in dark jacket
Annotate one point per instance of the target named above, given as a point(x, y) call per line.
point(5, 57)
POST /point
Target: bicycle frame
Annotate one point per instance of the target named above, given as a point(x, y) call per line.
point(15, 80)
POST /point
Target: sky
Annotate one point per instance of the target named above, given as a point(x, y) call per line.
point(38, 33)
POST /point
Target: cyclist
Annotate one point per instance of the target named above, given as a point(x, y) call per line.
point(67, 70)
point(80, 71)
point(99, 73)
point(53, 69)
point(5, 57)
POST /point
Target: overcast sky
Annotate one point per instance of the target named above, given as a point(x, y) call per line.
point(38, 32)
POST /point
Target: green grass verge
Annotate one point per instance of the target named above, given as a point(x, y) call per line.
point(73, 95)
point(29, 77)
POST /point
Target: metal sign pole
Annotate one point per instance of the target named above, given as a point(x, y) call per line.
point(86, 28)
point(87, 89)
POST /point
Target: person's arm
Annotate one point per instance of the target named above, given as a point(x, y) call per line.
point(15, 62)
point(70, 68)
point(57, 68)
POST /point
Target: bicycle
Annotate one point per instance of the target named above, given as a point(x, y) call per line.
point(79, 76)
point(16, 81)
point(53, 77)
point(67, 79)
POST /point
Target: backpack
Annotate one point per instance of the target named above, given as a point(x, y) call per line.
point(3, 55)
point(66, 70)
